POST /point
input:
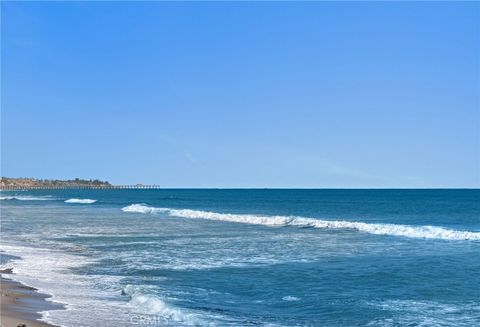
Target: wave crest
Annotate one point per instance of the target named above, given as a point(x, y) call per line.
point(83, 201)
point(149, 304)
point(427, 232)
point(141, 208)
point(27, 198)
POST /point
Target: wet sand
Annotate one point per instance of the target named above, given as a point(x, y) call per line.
point(20, 304)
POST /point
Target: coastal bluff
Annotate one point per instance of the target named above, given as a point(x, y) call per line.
point(7, 183)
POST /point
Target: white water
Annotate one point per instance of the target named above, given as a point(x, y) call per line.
point(49, 271)
point(27, 198)
point(144, 303)
point(141, 208)
point(425, 313)
point(82, 201)
point(428, 232)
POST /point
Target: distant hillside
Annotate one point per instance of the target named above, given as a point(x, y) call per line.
point(7, 182)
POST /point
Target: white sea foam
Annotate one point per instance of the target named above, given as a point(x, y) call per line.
point(27, 198)
point(428, 232)
point(50, 271)
point(290, 298)
point(149, 304)
point(427, 313)
point(82, 201)
point(139, 208)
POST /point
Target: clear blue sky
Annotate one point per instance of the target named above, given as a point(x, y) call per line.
point(243, 94)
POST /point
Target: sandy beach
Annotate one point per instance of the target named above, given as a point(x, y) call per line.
point(20, 305)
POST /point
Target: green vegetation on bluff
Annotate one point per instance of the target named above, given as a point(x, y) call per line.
point(33, 182)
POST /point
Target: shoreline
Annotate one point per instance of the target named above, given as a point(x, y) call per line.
point(20, 305)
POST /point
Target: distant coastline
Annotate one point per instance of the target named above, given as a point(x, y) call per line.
point(7, 183)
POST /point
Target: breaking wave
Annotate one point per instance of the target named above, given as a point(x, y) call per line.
point(144, 303)
point(141, 208)
point(83, 201)
point(26, 198)
point(427, 232)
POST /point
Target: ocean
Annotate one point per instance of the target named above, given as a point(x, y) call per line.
point(248, 257)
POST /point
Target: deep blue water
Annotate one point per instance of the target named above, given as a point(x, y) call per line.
point(249, 257)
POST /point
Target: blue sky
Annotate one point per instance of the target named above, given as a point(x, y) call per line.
point(249, 94)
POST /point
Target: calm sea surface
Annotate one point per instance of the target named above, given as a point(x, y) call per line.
point(248, 257)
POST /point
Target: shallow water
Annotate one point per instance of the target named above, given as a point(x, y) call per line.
point(249, 257)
